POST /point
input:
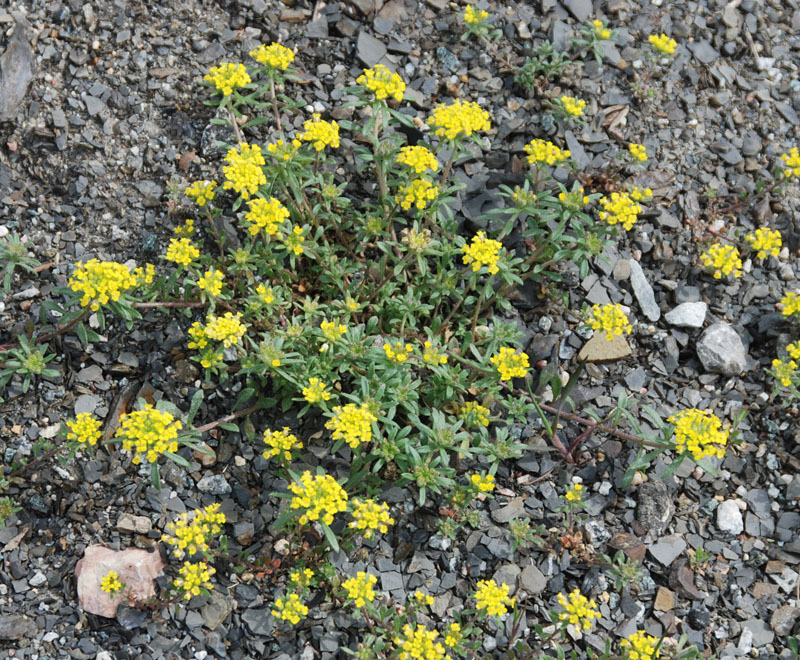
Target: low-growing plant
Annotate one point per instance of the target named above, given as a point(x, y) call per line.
point(13, 255)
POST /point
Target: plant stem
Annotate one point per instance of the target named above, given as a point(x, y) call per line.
point(235, 125)
point(23, 468)
point(600, 427)
point(50, 335)
point(376, 145)
point(227, 418)
point(275, 103)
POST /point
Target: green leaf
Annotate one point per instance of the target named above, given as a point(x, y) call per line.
point(155, 476)
point(194, 406)
point(177, 459)
point(330, 536)
point(230, 426)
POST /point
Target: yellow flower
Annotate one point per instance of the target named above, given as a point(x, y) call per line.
point(265, 294)
point(578, 610)
point(302, 578)
point(322, 133)
point(284, 151)
point(638, 151)
point(601, 30)
point(791, 303)
point(280, 442)
point(641, 194)
point(290, 608)
point(316, 391)
point(193, 578)
point(244, 170)
point(186, 229)
point(700, 433)
point(266, 214)
point(462, 118)
point(794, 350)
point(574, 200)
point(399, 352)
point(453, 635)
point(784, 371)
point(767, 241)
point(510, 364)
point(493, 598)
point(333, 331)
point(382, 82)
point(202, 192)
point(352, 423)
point(211, 282)
point(416, 193)
point(359, 588)
point(474, 413)
point(227, 328)
point(473, 16)
point(227, 76)
point(181, 251)
point(84, 428)
point(320, 495)
point(663, 43)
point(573, 106)
point(370, 516)
point(431, 355)
point(483, 482)
point(149, 433)
point(197, 333)
point(101, 281)
point(542, 151)
point(574, 493)
point(422, 598)
point(294, 241)
point(611, 319)
point(792, 162)
point(191, 532)
point(111, 584)
point(640, 646)
point(724, 260)
point(481, 252)
point(419, 159)
point(275, 56)
point(419, 643)
point(621, 209)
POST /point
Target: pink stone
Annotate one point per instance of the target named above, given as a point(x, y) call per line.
point(137, 569)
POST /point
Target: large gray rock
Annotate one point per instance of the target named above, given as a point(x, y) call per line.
point(721, 350)
point(687, 315)
point(729, 518)
point(644, 292)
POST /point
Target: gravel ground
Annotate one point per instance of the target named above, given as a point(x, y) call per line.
point(114, 118)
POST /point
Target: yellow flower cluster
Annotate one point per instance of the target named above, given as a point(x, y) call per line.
point(574, 199)
point(382, 82)
point(333, 331)
point(601, 30)
point(290, 608)
point(767, 241)
point(493, 598)
point(791, 303)
point(419, 159)
point(322, 133)
point(574, 493)
point(84, 428)
point(192, 578)
point(663, 43)
point(275, 56)
point(101, 281)
point(700, 433)
point(794, 350)
point(419, 643)
point(182, 251)
point(265, 294)
point(453, 636)
point(542, 151)
point(431, 354)
point(792, 162)
point(359, 588)
point(352, 423)
point(416, 193)
point(573, 106)
point(370, 516)
point(302, 578)
point(294, 241)
point(191, 532)
point(211, 281)
point(320, 495)
point(228, 76)
point(640, 646)
point(641, 194)
point(202, 192)
point(266, 214)
point(621, 209)
point(423, 599)
point(724, 260)
point(474, 413)
point(483, 482)
point(111, 584)
point(280, 442)
point(186, 229)
point(227, 328)
point(611, 319)
point(578, 610)
point(149, 433)
point(284, 151)
point(638, 151)
point(510, 364)
point(474, 16)
point(316, 391)
point(243, 172)
point(399, 352)
point(462, 118)
point(784, 371)
point(481, 252)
